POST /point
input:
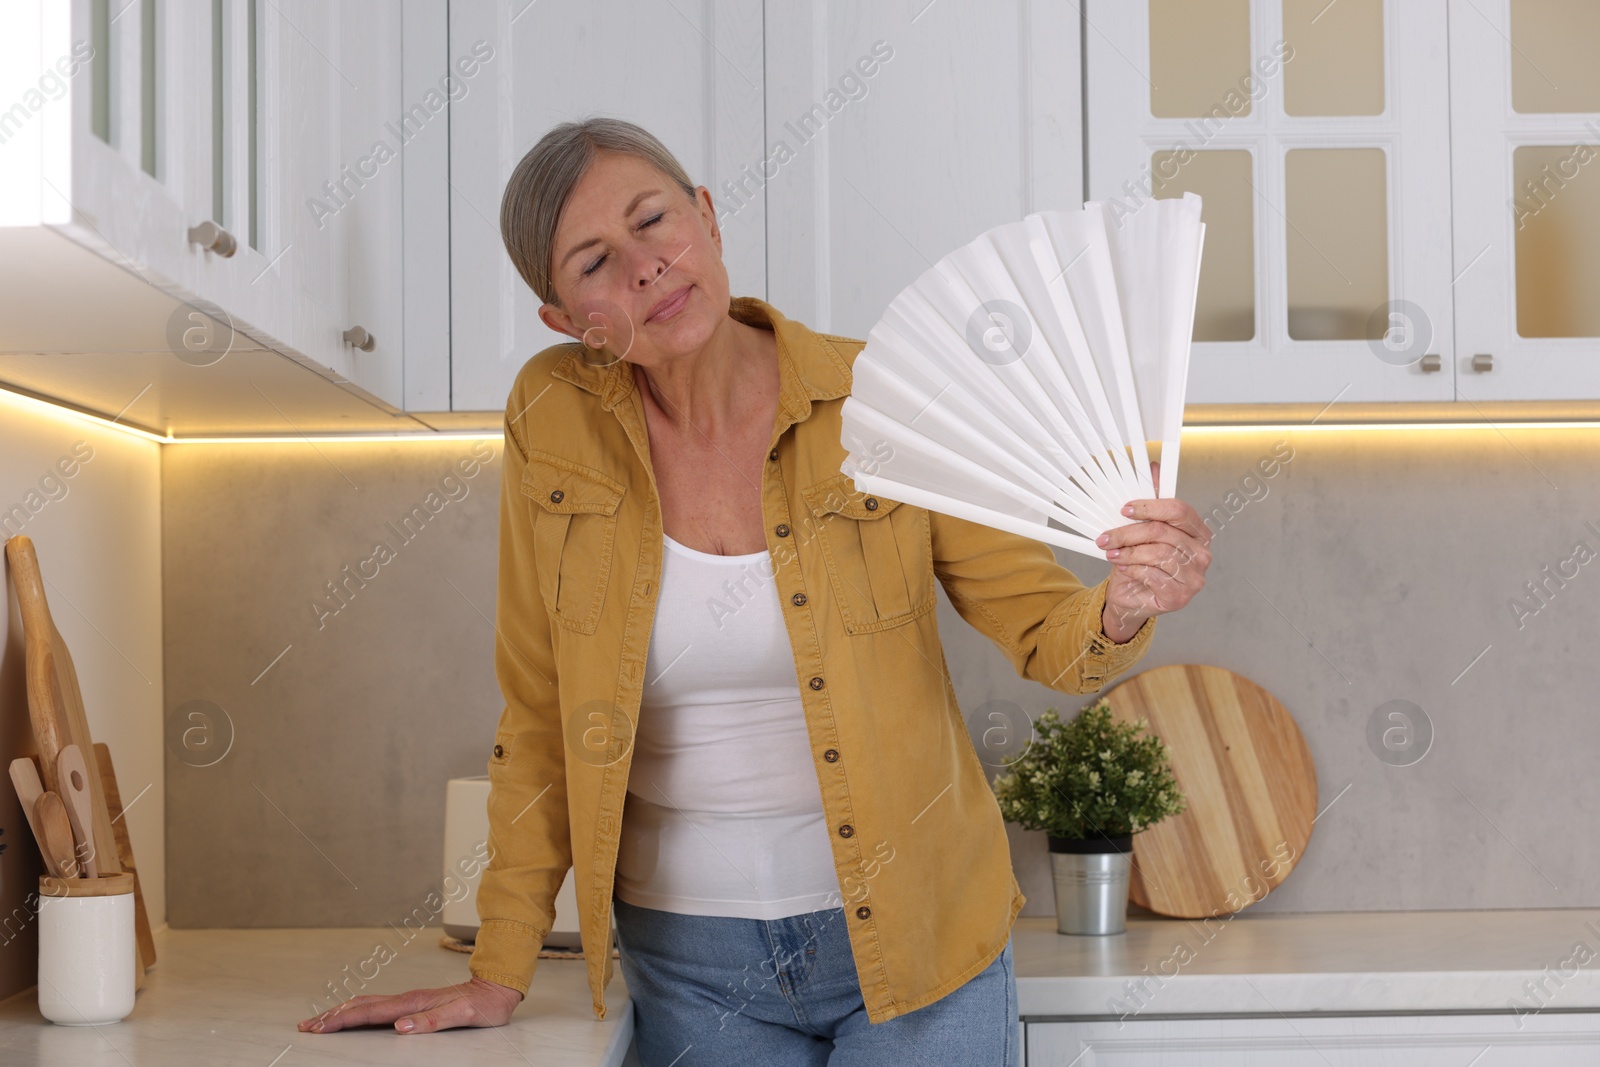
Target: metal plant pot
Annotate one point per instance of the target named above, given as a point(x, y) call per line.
point(1091, 882)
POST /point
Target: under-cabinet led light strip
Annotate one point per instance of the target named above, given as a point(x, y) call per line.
point(484, 435)
point(104, 423)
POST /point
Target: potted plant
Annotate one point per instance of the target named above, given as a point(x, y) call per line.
point(1090, 784)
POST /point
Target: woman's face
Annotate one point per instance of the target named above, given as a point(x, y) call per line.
point(638, 265)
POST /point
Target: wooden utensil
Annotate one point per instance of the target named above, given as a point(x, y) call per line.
point(73, 777)
point(25, 779)
point(51, 814)
point(1250, 784)
point(141, 919)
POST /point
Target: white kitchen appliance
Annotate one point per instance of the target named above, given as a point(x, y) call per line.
point(466, 829)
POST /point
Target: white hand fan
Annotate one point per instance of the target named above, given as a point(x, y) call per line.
point(1017, 382)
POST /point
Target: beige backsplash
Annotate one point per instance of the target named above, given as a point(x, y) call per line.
point(1368, 567)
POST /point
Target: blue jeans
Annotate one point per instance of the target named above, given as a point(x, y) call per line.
point(710, 991)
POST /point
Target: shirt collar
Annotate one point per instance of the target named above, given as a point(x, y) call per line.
point(809, 366)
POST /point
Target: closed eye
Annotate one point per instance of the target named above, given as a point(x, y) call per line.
point(651, 221)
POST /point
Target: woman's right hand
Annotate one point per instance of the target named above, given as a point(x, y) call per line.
point(422, 1011)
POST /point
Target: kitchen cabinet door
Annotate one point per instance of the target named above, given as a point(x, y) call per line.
point(428, 83)
point(1525, 145)
point(898, 133)
point(1318, 137)
point(371, 184)
point(690, 74)
point(337, 239)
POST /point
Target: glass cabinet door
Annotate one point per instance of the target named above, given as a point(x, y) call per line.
point(1525, 92)
point(1317, 136)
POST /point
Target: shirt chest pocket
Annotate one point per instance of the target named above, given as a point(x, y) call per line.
point(878, 552)
point(574, 536)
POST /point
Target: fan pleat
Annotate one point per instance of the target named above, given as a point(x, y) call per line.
point(1018, 381)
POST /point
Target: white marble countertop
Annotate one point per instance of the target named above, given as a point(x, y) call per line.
point(1364, 962)
point(226, 997)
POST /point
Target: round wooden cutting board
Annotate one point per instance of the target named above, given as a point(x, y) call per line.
point(1251, 788)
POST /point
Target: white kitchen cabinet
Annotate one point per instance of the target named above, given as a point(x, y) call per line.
point(115, 154)
point(1447, 1040)
point(841, 155)
point(141, 120)
point(1488, 121)
point(1402, 988)
point(1525, 151)
point(1319, 140)
point(690, 74)
point(123, 162)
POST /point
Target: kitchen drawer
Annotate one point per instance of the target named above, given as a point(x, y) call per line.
point(1547, 1039)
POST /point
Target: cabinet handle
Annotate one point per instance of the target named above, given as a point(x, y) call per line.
point(213, 238)
point(358, 336)
point(1432, 363)
point(1483, 362)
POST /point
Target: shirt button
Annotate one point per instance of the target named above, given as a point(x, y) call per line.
point(773, 454)
point(872, 503)
point(798, 599)
point(782, 529)
point(863, 912)
point(556, 495)
point(847, 830)
point(816, 683)
point(832, 755)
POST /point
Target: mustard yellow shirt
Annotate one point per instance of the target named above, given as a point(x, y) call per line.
point(919, 845)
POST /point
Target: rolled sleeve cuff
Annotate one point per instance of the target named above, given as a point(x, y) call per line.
point(1095, 657)
point(506, 952)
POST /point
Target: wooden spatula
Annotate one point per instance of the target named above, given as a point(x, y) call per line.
point(25, 778)
point(51, 815)
point(72, 777)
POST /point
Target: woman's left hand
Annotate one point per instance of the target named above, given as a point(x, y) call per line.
point(1158, 565)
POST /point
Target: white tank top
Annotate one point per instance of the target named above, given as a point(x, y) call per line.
point(723, 814)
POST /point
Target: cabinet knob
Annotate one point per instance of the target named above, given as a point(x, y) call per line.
point(213, 238)
point(1483, 362)
point(358, 336)
point(1432, 363)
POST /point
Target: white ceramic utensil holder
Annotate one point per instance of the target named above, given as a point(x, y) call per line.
point(86, 949)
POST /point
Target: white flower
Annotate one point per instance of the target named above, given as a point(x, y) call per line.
point(1135, 777)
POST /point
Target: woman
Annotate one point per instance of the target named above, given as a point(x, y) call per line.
point(702, 624)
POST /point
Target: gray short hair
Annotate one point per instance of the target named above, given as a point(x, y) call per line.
point(539, 187)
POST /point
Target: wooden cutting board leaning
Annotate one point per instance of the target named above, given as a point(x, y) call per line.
point(1250, 783)
point(141, 920)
